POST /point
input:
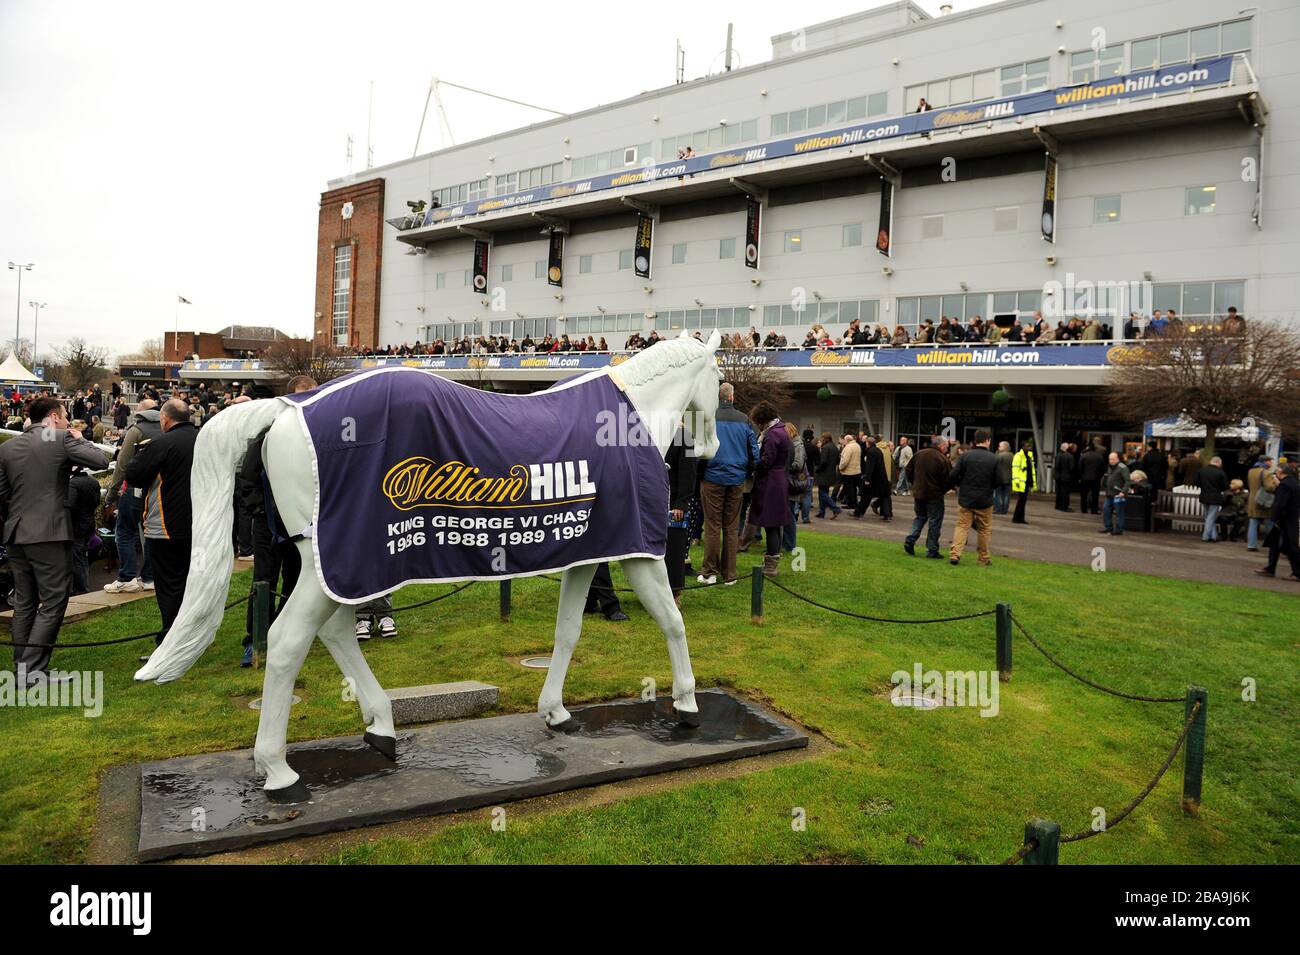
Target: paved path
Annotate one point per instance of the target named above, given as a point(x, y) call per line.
point(1064, 538)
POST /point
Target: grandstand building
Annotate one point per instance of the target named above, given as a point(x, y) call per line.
point(1077, 158)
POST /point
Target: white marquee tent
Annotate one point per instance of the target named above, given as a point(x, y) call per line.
point(12, 371)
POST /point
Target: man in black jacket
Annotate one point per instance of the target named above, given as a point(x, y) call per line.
point(1284, 538)
point(1156, 465)
point(875, 483)
point(975, 477)
point(1065, 468)
point(163, 466)
point(1092, 467)
point(83, 502)
point(1213, 482)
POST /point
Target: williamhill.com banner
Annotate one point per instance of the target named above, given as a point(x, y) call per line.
point(1145, 83)
point(422, 479)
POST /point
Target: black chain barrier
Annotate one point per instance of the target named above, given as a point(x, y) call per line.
point(863, 616)
point(422, 603)
point(1083, 679)
point(632, 590)
point(107, 643)
point(1124, 813)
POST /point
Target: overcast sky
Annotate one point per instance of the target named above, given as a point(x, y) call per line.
point(155, 149)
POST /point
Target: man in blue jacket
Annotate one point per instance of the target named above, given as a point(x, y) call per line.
point(721, 488)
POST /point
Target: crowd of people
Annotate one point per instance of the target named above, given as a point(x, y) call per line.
point(949, 330)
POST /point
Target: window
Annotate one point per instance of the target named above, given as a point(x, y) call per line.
point(342, 310)
point(440, 280)
point(829, 114)
point(611, 159)
point(539, 269)
point(584, 264)
point(877, 104)
point(727, 248)
point(1023, 77)
point(624, 259)
point(1190, 45)
point(717, 136)
point(1105, 209)
point(1194, 300)
point(1088, 66)
point(851, 235)
point(526, 179)
point(507, 273)
point(932, 227)
point(794, 241)
point(972, 87)
point(679, 253)
point(1006, 219)
point(1200, 200)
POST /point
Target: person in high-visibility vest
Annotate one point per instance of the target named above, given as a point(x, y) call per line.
point(1024, 478)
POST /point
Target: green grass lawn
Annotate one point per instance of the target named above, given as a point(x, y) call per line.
point(962, 785)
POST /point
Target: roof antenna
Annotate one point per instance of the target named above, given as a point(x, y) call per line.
point(726, 64)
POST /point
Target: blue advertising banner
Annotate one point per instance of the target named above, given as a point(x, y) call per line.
point(1086, 354)
point(420, 479)
point(1167, 79)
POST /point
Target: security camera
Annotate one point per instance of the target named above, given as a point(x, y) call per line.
point(567, 156)
point(752, 308)
point(894, 61)
point(1060, 49)
point(1049, 259)
point(559, 296)
point(965, 287)
point(698, 302)
point(566, 140)
point(756, 282)
point(817, 295)
point(886, 270)
point(419, 308)
point(647, 289)
point(763, 91)
point(722, 122)
point(651, 315)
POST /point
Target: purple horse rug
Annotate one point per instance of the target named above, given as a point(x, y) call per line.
point(423, 480)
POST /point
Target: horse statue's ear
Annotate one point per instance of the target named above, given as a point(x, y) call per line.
point(715, 339)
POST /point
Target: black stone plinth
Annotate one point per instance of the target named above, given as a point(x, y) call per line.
point(195, 805)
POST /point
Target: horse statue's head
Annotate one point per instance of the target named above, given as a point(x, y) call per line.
point(675, 382)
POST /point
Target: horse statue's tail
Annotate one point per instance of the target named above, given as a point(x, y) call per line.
point(217, 454)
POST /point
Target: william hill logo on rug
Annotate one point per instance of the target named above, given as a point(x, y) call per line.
point(422, 482)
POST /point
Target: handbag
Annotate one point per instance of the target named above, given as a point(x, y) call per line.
point(1264, 499)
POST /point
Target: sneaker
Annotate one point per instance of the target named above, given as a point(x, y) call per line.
point(246, 660)
point(729, 583)
point(363, 628)
point(387, 627)
point(711, 579)
point(123, 587)
point(144, 584)
point(243, 556)
point(954, 561)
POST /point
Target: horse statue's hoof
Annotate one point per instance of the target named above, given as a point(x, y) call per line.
point(687, 719)
point(569, 726)
point(298, 792)
point(384, 744)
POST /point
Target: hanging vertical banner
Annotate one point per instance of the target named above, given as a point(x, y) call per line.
point(753, 231)
point(555, 260)
point(885, 230)
point(1049, 201)
point(481, 247)
point(643, 251)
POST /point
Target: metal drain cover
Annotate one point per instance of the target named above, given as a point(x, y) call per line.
point(536, 663)
point(257, 703)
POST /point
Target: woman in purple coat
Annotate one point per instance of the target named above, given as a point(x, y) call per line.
point(769, 504)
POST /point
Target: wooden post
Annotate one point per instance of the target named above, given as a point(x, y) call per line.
point(1048, 835)
point(1194, 751)
point(756, 596)
point(505, 601)
point(261, 619)
point(1004, 642)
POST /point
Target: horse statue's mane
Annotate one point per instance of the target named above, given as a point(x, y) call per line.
point(660, 358)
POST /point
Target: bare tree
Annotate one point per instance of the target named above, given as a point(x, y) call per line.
point(1213, 377)
point(82, 364)
point(297, 356)
point(755, 377)
point(151, 350)
point(24, 350)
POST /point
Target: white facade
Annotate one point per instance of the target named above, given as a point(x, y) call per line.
point(988, 237)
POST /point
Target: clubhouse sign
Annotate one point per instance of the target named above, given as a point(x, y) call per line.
point(1145, 83)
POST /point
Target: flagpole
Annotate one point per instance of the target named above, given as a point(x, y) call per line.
point(176, 325)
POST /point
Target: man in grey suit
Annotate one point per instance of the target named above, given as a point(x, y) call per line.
point(34, 469)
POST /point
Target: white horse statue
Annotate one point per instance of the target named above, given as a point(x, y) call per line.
point(663, 383)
